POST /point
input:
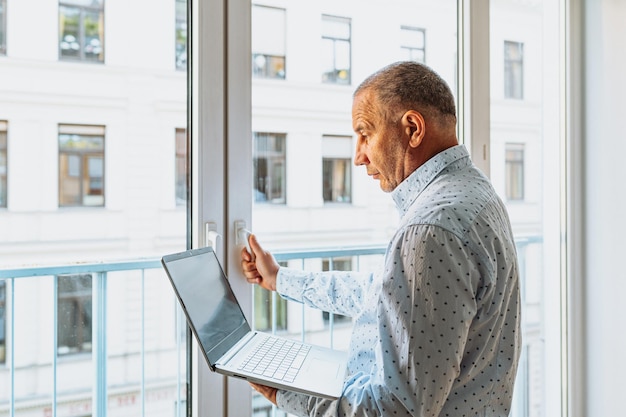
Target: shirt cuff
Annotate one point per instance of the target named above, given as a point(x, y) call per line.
point(292, 402)
point(291, 282)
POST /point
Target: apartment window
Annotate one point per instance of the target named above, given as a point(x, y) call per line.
point(513, 70)
point(269, 159)
point(3, 164)
point(81, 165)
point(413, 43)
point(514, 171)
point(3, 27)
point(268, 42)
point(3, 321)
point(81, 30)
point(337, 169)
point(181, 34)
point(74, 314)
point(336, 50)
point(181, 167)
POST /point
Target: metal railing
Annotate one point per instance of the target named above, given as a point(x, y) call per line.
point(101, 394)
point(102, 398)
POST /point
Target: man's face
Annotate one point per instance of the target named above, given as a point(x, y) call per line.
point(380, 144)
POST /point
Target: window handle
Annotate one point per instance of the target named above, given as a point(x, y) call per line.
point(211, 235)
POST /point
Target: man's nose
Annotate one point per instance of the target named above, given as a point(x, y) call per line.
point(360, 158)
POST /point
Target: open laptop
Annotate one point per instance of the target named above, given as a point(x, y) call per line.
point(229, 345)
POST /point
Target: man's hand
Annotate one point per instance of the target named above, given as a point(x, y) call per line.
point(267, 392)
point(263, 269)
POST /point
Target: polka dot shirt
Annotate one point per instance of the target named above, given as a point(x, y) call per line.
point(437, 330)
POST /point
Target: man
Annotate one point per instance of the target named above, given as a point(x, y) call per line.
point(437, 332)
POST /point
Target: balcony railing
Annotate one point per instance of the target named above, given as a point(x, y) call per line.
point(130, 364)
point(136, 360)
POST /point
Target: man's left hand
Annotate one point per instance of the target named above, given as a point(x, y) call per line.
point(267, 392)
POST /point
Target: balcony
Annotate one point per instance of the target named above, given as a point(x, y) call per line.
point(134, 361)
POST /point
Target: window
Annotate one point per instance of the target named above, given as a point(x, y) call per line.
point(514, 172)
point(181, 34)
point(181, 167)
point(81, 165)
point(3, 321)
point(74, 314)
point(268, 42)
point(3, 164)
point(337, 169)
point(413, 43)
point(81, 30)
point(269, 167)
point(336, 55)
point(525, 162)
point(3, 27)
point(513, 70)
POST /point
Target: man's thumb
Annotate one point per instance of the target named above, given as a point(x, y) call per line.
point(254, 244)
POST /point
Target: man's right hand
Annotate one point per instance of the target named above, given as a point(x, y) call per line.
point(263, 269)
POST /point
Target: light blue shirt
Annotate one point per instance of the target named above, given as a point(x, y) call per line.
point(437, 332)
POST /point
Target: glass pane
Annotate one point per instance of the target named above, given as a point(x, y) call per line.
point(181, 34)
point(345, 50)
point(3, 169)
point(95, 177)
point(69, 43)
point(526, 172)
point(94, 30)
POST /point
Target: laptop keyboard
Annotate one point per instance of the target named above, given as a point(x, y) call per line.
point(277, 358)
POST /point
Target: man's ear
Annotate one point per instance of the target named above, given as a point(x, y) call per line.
point(414, 127)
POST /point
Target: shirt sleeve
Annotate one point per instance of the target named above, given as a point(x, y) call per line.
point(424, 312)
point(339, 292)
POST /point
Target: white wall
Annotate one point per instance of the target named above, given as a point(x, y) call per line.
point(603, 155)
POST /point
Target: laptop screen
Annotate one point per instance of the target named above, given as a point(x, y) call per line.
point(207, 299)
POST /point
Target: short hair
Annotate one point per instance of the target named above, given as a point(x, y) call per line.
point(409, 85)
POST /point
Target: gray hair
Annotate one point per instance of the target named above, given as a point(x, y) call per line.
point(409, 85)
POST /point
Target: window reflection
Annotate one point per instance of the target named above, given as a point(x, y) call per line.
point(3, 164)
point(336, 49)
point(74, 314)
point(268, 42)
point(81, 30)
point(269, 167)
point(81, 165)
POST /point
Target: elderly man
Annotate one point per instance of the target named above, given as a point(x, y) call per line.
point(437, 331)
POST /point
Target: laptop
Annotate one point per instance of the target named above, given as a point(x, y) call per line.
point(232, 348)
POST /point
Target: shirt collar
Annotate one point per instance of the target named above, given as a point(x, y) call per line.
point(407, 191)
